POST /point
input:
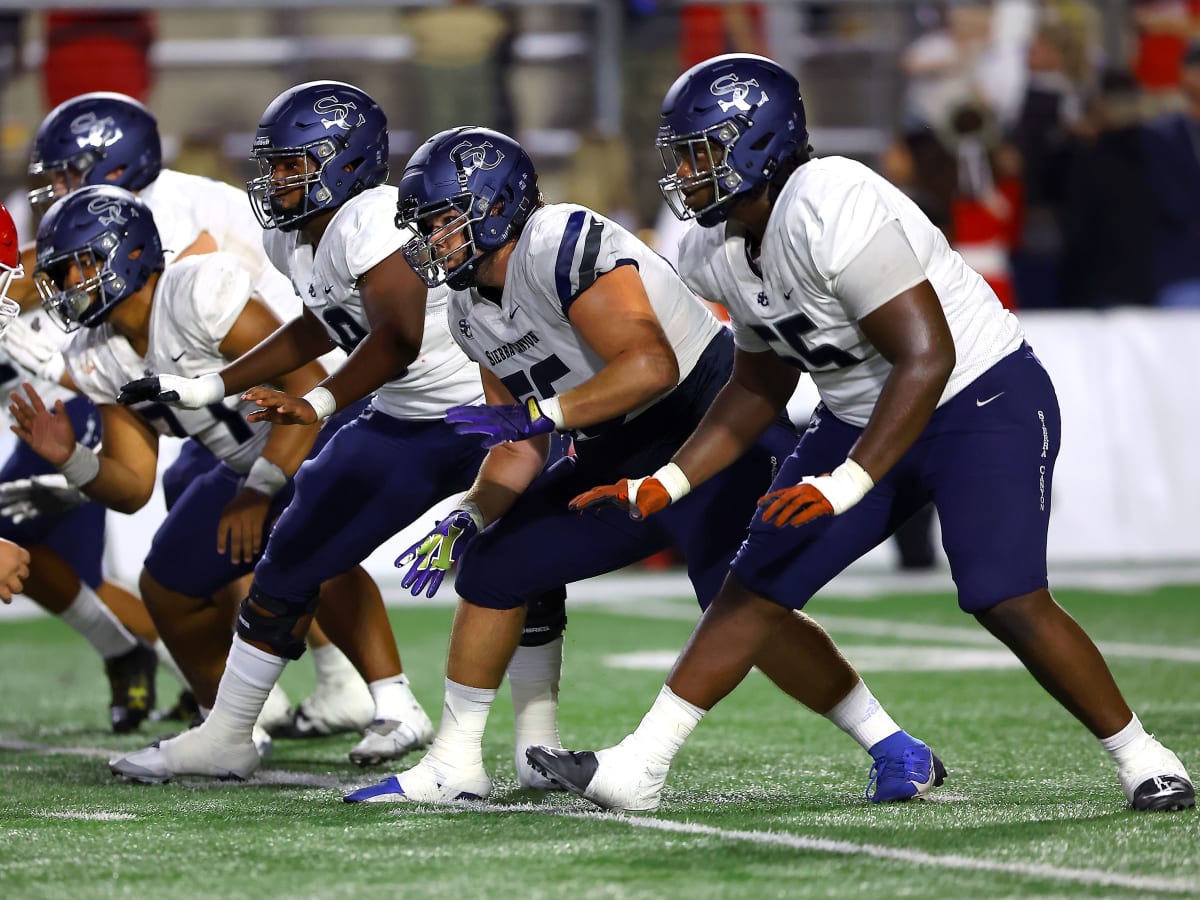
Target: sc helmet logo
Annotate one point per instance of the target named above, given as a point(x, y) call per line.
point(737, 90)
point(470, 159)
point(338, 112)
point(92, 131)
point(464, 328)
point(109, 211)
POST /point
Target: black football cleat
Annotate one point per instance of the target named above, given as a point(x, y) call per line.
point(186, 709)
point(131, 677)
point(1164, 793)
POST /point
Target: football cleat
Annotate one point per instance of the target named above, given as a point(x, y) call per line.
point(425, 784)
point(904, 769)
point(387, 739)
point(131, 678)
point(618, 778)
point(194, 752)
point(528, 777)
point(334, 707)
point(1157, 781)
point(276, 712)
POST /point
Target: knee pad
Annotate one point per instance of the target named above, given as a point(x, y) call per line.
point(272, 621)
point(545, 618)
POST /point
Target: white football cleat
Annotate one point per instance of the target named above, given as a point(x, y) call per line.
point(1157, 781)
point(276, 712)
point(424, 783)
point(194, 752)
point(387, 739)
point(619, 778)
point(262, 741)
point(335, 706)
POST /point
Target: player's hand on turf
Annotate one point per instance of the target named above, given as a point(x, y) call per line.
point(242, 524)
point(49, 433)
point(497, 424)
point(817, 496)
point(279, 408)
point(640, 497)
point(186, 393)
point(14, 569)
point(40, 495)
point(431, 557)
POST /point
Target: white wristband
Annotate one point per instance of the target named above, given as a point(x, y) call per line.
point(81, 467)
point(472, 509)
point(552, 410)
point(322, 402)
point(265, 477)
point(672, 478)
point(844, 486)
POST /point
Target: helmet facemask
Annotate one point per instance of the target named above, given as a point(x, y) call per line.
point(9, 309)
point(266, 191)
point(707, 156)
point(427, 253)
point(100, 287)
point(60, 178)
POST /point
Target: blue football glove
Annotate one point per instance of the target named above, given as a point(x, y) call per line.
point(432, 556)
point(515, 422)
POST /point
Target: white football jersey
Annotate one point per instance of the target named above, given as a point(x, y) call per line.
point(196, 302)
point(185, 205)
point(830, 209)
point(361, 234)
point(527, 340)
point(50, 339)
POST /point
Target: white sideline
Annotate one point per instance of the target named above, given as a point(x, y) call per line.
point(849, 848)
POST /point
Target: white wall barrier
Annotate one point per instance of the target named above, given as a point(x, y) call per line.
point(1127, 485)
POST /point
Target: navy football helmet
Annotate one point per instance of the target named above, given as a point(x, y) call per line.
point(486, 179)
point(97, 138)
point(334, 135)
point(727, 123)
point(108, 238)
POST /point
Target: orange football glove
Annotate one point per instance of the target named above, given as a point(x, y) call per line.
point(640, 497)
point(827, 495)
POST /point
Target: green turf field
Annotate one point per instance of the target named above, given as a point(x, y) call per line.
point(765, 800)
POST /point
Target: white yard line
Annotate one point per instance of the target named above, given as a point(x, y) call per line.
point(850, 848)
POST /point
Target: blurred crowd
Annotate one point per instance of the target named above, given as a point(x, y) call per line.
point(1056, 142)
point(1070, 178)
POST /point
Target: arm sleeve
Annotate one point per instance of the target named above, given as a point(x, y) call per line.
point(883, 268)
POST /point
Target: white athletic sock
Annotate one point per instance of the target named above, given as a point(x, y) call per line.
point(667, 725)
point(394, 699)
point(331, 664)
point(250, 674)
point(533, 676)
point(1126, 744)
point(459, 741)
point(167, 661)
point(88, 615)
point(862, 717)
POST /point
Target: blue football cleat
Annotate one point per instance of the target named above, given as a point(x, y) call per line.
point(904, 769)
point(422, 784)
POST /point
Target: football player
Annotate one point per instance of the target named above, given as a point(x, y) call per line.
point(322, 149)
point(929, 392)
point(108, 138)
point(578, 326)
point(100, 266)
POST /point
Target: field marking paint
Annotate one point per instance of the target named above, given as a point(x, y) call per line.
point(866, 658)
point(82, 815)
point(845, 848)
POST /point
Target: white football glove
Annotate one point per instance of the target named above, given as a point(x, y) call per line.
point(32, 352)
point(186, 393)
point(41, 495)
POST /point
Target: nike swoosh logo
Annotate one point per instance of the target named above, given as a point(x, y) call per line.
point(788, 294)
point(179, 357)
point(516, 309)
point(989, 399)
